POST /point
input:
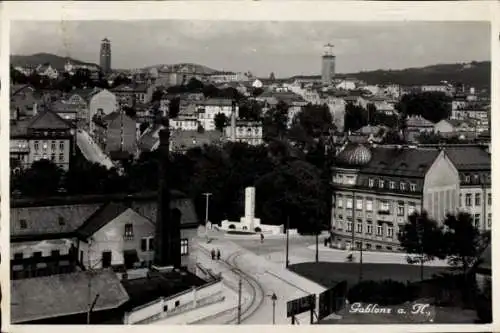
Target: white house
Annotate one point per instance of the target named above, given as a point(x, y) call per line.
point(207, 110)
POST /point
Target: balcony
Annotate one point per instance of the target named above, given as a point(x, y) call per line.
point(385, 218)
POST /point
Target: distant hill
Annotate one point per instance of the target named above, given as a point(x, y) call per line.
point(192, 67)
point(477, 74)
point(45, 58)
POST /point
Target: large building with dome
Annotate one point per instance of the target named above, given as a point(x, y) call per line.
point(376, 188)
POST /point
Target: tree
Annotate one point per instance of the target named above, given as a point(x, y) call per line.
point(462, 241)
point(174, 107)
point(293, 189)
point(130, 111)
point(355, 117)
point(194, 85)
point(433, 106)
point(422, 236)
point(257, 92)
point(220, 121)
point(250, 110)
point(316, 120)
point(92, 178)
point(43, 178)
point(275, 122)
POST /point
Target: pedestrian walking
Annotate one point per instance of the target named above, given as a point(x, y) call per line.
point(218, 254)
point(262, 238)
point(213, 254)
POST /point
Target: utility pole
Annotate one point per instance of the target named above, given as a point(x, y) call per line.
point(239, 301)
point(317, 242)
point(287, 235)
point(274, 298)
point(89, 271)
point(207, 195)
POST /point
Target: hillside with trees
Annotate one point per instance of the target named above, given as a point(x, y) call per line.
point(55, 61)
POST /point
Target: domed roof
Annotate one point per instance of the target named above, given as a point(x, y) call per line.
point(354, 155)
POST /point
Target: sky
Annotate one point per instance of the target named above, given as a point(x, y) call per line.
point(262, 47)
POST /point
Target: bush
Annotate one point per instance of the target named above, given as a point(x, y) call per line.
point(232, 226)
point(386, 292)
point(257, 229)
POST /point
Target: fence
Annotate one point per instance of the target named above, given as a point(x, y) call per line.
point(164, 307)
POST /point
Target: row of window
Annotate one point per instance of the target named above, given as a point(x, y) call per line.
point(383, 205)
point(477, 199)
point(392, 185)
point(45, 145)
point(467, 179)
point(60, 159)
point(36, 254)
point(369, 228)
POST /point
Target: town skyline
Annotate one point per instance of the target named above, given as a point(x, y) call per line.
point(359, 46)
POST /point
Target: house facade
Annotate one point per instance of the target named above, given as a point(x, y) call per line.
point(44, 136)
point(377, 188)
point(245, 131)
point(207, 110)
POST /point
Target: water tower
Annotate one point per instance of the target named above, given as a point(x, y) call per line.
point(328, 65)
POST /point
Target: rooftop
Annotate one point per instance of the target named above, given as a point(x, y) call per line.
point(144, 290)
point(64, 294)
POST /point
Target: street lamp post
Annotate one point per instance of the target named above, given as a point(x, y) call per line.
point(287, 234)
point(274, 298)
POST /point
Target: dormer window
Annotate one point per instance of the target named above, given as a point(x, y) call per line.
point(413, 187)
point(23, 224)
point(467, 179)
point(476, 178)
point(370, 182)
point(402, 186)
point(392, 185)
point(381, 183)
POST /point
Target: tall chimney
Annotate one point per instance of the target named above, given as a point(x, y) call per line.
point(167, 233)
point(233, 121)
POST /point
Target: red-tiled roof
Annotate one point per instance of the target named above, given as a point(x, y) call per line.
point(64, 294)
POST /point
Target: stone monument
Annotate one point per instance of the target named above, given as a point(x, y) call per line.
point(249, 220)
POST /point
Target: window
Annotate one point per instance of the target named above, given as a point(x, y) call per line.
point(151, 244)
point(184, 247)
point(53, 157)
point(359, 226)
point(348, 203)
point(413, 187)
point(468, 199)
point(37, 145)
point(489, 220)
point(384, 206)
point(37, 255)
point(61, 221)
point(349, 226)
point(477, 199)
point(370, 182)
point(379, 230)
point(359, 204)
point(23, 224)
point(402, 186)
point(368, 246)
point(53, 145)
point(392, 185)
point(390, 231)
point(177, 303)
point(369, 228)
point(340, 204)
point(467, 179)
point(369, 205)
point(106, 259)
point(460, 200)
point(381, 183)
point(401, 208)
point(165, 308)
point(61, 145)
point(489, 199)
point(61, 157)
point(476, 220)
point(18, 256)
point(129, 231)
point(144, 244)
point(55, 253)
point(411, 208)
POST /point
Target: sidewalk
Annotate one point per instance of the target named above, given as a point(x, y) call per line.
point(273, 278)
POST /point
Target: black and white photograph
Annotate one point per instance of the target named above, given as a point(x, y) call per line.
point(244, 172)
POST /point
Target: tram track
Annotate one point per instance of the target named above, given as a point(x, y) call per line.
point(257, 293)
